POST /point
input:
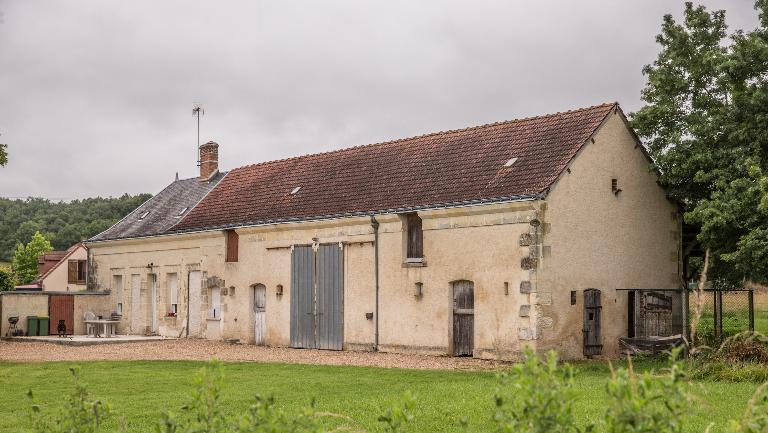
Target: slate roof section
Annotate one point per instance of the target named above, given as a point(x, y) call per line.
point(163, 210)
point(446, 168)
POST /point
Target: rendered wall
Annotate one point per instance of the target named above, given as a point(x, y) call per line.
point(472, 243)
point(22, 305)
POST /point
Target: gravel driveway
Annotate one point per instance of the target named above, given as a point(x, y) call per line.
point(202, 350)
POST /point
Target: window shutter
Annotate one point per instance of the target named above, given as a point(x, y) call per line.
point(233, 239)
point(72, 272)
point(415, 237)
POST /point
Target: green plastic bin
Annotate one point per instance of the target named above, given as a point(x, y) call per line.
point(32, 326)
point(42, 325)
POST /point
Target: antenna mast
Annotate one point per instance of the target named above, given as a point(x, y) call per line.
point(198, 111)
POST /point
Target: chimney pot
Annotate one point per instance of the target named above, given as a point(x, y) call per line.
point(209, 160)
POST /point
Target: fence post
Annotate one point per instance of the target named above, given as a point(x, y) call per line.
point(686, 311)
point(751, 301)
point(718, 305)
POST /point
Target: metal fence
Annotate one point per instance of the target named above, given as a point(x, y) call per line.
point(724, 313)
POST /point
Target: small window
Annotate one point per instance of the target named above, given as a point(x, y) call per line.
point(215, 311)
point(173, 293)
point(295, 190)
point(232, 241)
point(615, 186)
point(144, 215)
point(510, 162)
point(117, 285)
point(181, 212)
point(77, 271)
point(415, 248)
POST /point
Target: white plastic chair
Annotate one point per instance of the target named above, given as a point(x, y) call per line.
point(89, 327)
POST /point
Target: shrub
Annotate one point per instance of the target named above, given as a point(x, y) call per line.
point(535, 396)
point(646, 403)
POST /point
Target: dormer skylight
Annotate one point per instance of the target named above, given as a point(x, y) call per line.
point(295, 190)
point(510, 162)
point(144, 215)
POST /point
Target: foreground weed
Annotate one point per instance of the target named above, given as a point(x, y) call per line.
point(535, 396)
point(80, 413)
point(646, 403)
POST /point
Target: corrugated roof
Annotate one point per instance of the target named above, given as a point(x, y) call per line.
point(444, 168)
point(161, 212)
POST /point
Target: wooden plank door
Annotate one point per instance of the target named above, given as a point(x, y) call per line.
point(259, 314)
point(593, 343)
point(329, 286)
point(317, 292)
point(61, 307)
point(302, 297)
point(463, 318)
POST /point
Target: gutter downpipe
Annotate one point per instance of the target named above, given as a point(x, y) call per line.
point(375, 225)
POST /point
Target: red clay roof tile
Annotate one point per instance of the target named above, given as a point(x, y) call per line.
point(460, 166)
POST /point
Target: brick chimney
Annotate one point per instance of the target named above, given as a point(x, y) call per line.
point(209, 160)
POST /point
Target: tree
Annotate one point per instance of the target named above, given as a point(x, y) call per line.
point(6, 281)
point(24, 262)
point(3, 155)
point(704, 120)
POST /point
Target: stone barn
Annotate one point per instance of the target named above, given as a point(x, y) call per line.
point(471, 242)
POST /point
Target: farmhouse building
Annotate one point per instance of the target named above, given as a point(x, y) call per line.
point(475, 241)
point(63, 271)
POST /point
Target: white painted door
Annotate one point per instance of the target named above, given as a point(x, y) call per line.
point(136, 314)
point(259, 294)
point(194, 285)
point(153, 302)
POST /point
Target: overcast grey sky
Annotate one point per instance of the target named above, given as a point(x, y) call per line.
point(96, 96)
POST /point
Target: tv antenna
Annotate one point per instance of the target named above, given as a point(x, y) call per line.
point(198, 111)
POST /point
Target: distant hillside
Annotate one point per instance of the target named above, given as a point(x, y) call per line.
point(67, 222)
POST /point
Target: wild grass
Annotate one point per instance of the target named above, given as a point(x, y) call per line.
point(140, 391)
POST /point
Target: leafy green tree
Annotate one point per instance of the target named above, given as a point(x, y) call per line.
point(24, 262)
point(3, 155)
point(6, 281)
point(704, 120)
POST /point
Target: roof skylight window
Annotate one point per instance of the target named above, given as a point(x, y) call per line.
point(144, 215)
point(510, 162)
point(181, 212)
point(295, 190)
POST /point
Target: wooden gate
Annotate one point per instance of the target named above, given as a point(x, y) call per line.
point(259, 314)
point(317, 297)
point(593, 344)
point(463, 318)
point(61, 307)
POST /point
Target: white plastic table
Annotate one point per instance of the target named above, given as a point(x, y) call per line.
point(108, 326)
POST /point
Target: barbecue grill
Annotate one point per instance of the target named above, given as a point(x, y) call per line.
point(13, 331)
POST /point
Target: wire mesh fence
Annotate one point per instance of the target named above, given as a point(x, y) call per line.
point(724, 313)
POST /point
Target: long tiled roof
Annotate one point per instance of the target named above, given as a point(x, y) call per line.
point(162, 211)
point(462, 166)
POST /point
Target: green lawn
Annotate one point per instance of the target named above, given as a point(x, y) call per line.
point(139, 390)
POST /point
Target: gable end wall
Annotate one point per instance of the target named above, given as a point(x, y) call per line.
point(596, 239)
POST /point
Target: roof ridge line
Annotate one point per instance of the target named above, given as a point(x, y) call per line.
point(429, 134)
